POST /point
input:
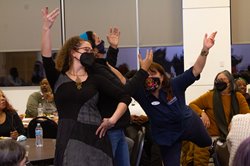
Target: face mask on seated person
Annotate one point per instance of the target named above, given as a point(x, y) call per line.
point(220, 85)
point(152, 83)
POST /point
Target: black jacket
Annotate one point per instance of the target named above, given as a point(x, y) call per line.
point(108, 105)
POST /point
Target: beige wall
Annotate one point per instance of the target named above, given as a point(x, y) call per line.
point(18, 96)
point(200, 17)
point(26, 30)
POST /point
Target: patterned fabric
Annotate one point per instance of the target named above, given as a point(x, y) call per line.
point(79, 142)
point(79, 118)
point(86, 157)
point(240, 130)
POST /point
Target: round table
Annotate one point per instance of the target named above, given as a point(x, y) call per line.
point(47, 152)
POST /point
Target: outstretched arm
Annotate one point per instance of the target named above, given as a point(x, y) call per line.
point(113, 38)
point(46, 49)
point(144, 65)
point(48, 21)
point(208, 42)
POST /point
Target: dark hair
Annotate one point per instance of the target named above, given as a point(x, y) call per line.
point(123, 68)
point(91, 39)
point(166, 80)
point(11, 153)
point(14, 72)
point(230, 78)
point(242, 156)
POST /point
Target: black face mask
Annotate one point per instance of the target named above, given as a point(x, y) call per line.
point(152, 83)
point(220, 85)
point(87, 59)
point(101, 47)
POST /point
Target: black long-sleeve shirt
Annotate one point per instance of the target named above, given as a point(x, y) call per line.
point(107, 106)
point(79, 116)
point(12, 122)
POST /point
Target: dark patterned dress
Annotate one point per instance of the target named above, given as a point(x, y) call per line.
point(79, 118)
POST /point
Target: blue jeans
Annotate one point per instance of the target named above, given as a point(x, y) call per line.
point(119, 147)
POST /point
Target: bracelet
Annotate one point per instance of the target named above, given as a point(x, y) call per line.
point(204, 52)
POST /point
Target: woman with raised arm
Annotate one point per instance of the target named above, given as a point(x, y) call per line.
point(107, 105)
point(163, 100)
point(81, 138)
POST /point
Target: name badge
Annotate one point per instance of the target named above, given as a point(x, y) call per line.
point(155, 103)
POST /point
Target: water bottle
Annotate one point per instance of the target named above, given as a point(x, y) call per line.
point(40, 109)
point(39, 135)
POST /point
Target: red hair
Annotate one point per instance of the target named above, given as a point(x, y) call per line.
point(8, 107)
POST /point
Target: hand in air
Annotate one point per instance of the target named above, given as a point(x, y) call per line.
point(208, 42)
point(113, 37)
point(49, 18)
point(147, 61)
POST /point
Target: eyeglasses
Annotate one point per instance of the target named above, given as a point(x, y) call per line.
point(86, 49)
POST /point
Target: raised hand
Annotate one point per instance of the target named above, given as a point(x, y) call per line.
point(49, 18)
point(113, 37)
point(208, 42)
point(147, 61)
point(48, 21)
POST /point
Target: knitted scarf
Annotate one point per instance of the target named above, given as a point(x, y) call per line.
point(219, 114)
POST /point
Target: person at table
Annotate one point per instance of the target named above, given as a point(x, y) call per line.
point(44, 96)
point(10, 123)
point(12, 153)
point(81, 137)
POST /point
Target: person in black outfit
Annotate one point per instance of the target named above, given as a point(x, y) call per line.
point(10, 123)
point(99, 47)
point(107, 105)
point(81, 138)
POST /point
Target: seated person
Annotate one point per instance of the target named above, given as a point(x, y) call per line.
point(216, 108)
point(12, 153)
point(10, 123)
point(13, 78)
point(239, 131)
point(241, 86)
point(44, 96)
